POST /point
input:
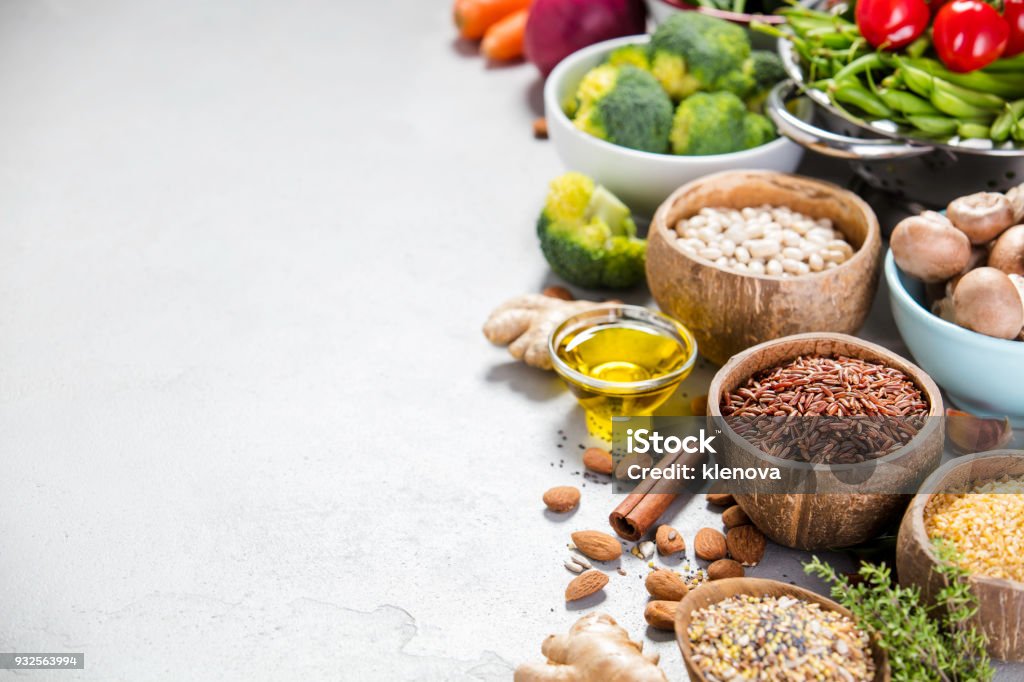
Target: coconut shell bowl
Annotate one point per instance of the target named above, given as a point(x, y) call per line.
point(1001, 602)
point(729, 311)
point(841, 510)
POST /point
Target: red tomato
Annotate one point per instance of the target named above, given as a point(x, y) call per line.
point(1013, 13)
point(892, 24)
point(968, 34)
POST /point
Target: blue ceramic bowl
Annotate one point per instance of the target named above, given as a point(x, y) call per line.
point(980, 374)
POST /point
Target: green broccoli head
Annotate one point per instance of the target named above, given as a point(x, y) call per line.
point(709, 123)
point(588, 236)
point(691, 51)
point(765, 69)
point(625, 106)
point(631, 55)
point(757, 130)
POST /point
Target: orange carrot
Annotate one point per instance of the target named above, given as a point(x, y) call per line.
point(474, 17)
point(504, 40)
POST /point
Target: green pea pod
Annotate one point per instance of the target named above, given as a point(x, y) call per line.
point(1008, 65)
point(934, 125)
point(907, 103)
point(855, 94)
point(866, 63)
point(973, 131)
point(1003, 84)
point(982, 100)
point(1003, 125)
point(952, 105)
point(917, 80)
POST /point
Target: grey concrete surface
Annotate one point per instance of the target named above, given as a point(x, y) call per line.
point(249, 427)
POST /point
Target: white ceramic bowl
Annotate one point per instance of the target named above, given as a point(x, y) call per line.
point(981, 374)
point(641, 179)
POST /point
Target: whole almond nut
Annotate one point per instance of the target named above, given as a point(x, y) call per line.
point(699, 406)
point(735, 516)
point(562, 498)
point(597, 545)
point(709, 545)
point(725, 568)
point(721, 499)
point(665, 584)
point(661, 614)
point(746, 544)
point(555, 291)
point(669, 540)
point(598, 460)
point(641, 459)
point(585, 584)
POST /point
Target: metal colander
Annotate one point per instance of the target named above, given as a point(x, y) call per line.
point(885, 156)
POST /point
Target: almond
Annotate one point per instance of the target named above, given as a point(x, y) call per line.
point(709, 545)
point(597, 545)
point(699, 406)
point(562, 498)
point(641, 459)
point(669, 540)
point(724, 568)
point(661, 614)
point(555, 291)
point(598, 460)
point(665, 584)
point(735, 516)
point(721, 499)
point(746, 544)
point(585, 585)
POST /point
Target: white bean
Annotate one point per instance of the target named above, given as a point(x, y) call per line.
point(833, 255)
point(773, 267)
point(756, 267)
point(763, 248)
point(728, 247)
point(722, 262)
point(711, 253)
point(815, 262)
point(742, 254)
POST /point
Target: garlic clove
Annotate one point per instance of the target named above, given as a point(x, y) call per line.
point(969, 434)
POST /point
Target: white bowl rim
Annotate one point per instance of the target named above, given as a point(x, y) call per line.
point(552, 107)
point(892, 272)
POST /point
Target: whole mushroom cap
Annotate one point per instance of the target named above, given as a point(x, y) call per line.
point(1008, 251)
point(929, 248)
point(986, 301)
point(981, 216)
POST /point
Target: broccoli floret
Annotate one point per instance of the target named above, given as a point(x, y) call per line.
point(631, 55)
point(757, 130)
point(691, 51)
point(709, 123)
point(625, 106)
point(764, 69)
point(588, 236)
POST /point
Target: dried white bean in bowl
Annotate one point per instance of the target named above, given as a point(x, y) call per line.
point(772, 240)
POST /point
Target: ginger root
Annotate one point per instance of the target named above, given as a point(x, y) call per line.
point(596, 649)
point(524, 324)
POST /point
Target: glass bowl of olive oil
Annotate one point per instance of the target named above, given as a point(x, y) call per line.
point(621, 360)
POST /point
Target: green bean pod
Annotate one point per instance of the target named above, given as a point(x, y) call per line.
point(1004, 123)
point(940, 126)
point(853, 93)
point(952, 105)
point(907, 103)
point(973, 131)
point(866, 63)
point(1002, 85)
point(1018, 131)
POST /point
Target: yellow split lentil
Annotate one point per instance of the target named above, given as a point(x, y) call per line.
point(986, 525)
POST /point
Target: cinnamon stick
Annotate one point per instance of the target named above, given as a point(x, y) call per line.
point(642, 508)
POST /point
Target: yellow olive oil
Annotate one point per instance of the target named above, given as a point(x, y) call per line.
point(621, 352)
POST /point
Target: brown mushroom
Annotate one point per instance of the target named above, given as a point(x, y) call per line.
point(1016, 197)
point(1008, 251)
point(987, 301)
point(929, 247)
point(981, 216)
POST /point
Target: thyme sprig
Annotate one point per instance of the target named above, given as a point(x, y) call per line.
point(940, 645)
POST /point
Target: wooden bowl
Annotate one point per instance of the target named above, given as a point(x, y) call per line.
point(1001, 602)
point(716, 591)
point(838, 514)
point(730, 311)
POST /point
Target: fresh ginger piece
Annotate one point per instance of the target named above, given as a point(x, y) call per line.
point(596, 649)
point(524, 324)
